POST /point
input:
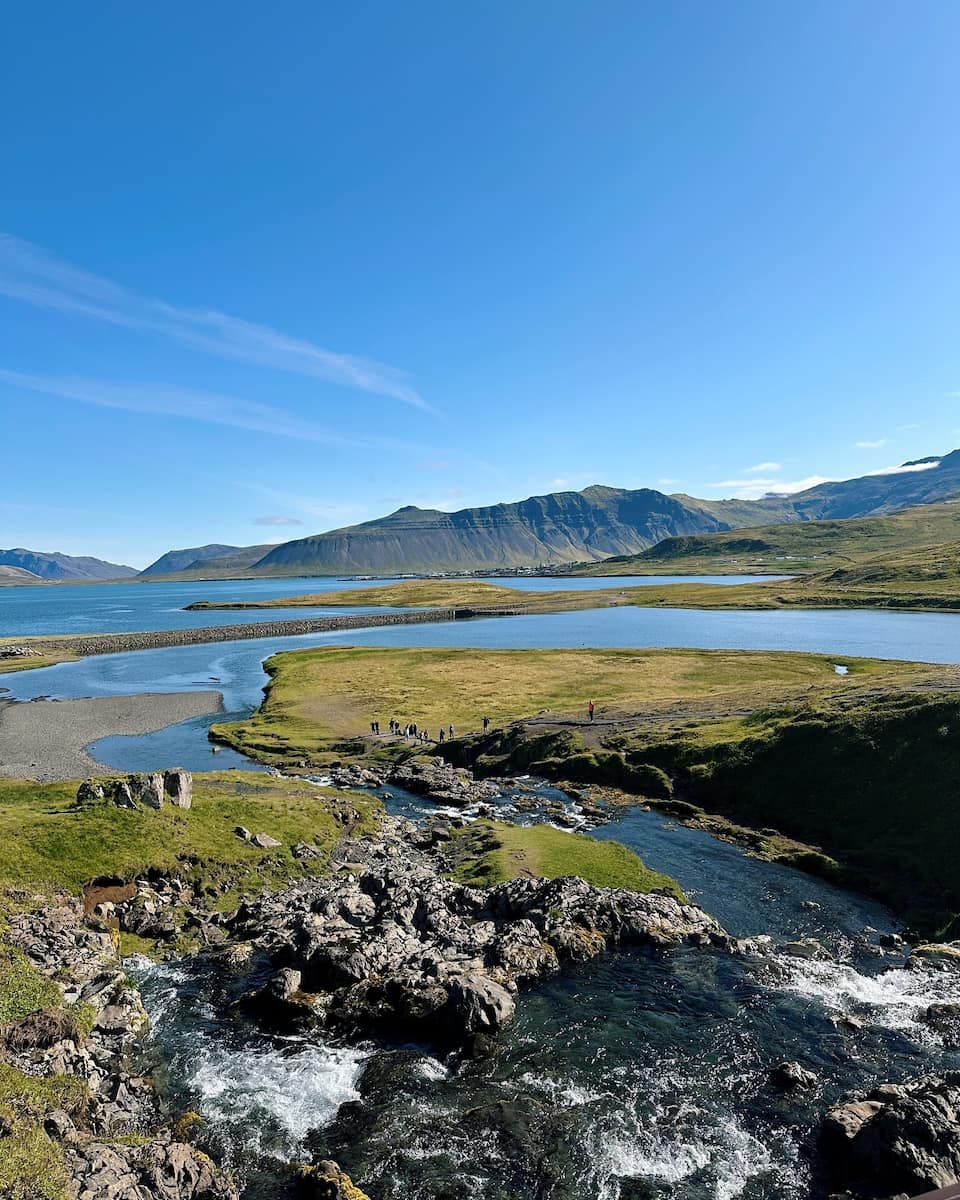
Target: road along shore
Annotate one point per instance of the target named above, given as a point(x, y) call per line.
point(116, 643)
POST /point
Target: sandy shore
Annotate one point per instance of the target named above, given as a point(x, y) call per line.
point(44, 739)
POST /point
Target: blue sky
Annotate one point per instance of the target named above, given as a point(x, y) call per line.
point(273, 269)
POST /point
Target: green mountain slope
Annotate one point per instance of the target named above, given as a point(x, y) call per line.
point(808, 546)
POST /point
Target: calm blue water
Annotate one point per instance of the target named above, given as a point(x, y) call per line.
point(121, 607)
point(234, 668)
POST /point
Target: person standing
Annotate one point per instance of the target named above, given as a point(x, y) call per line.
point(590, 709)
point(450, 732)
point(486, 724)
point(441, 735)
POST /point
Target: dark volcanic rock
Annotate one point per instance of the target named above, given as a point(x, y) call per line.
point(436, 780)
point(897, 1138)
point(389, 943)
point(157, 1171)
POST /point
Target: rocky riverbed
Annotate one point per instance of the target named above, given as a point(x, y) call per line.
point(451, 1008)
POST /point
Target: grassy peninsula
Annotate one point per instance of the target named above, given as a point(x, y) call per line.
point(319, 702)
point(864, 768)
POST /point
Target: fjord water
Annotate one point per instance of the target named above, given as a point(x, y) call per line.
point(235, 668)
point(640, 1074)
point(72, 608)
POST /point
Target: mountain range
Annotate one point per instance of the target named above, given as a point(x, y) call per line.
point(564, 527)
point(26, 565)
point(558, 528)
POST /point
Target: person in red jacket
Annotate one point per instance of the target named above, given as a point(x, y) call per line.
point(590, 708)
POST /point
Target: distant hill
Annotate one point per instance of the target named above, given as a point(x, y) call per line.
point(844, 546)
point(208, 558)
point(556, 528)
point(18, 575)
point(62, 566)
point(181, 560)
point(560, 528)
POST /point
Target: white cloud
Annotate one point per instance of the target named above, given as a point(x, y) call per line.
point(755, 489)
point(906, 469)
point(872, 445)
point(33, 275)
point(763, 468)
point(211, 408)
point(276, 521)
point(666, 481)
point(906, 428)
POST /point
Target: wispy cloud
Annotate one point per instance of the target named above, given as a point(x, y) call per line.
point(33, 275)
point(276, 521)
point(211, 408)
point(906, 468)
point(764, 468)
point(756, 488)
point(666, 481)
point(875, 445)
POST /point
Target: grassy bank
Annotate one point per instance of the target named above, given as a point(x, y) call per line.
point(31, 662)
point(810, 547)
point(900, 582)
point(48, 843)
point(320, 702)
point(868, 788)
point(489, 852)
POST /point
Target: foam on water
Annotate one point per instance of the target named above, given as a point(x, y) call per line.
point(274, 1091)
point(895, 999)
point(702, 1146)
point(289, 1089)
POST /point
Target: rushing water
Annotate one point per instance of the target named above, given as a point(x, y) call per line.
point(119, 607)
point(641, 1074)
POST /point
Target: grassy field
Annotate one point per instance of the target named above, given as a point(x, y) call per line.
point(48, 843)
point(804, 546)
point(490, 852)
point(900, 579)
point(8, 665)
point(319, 701)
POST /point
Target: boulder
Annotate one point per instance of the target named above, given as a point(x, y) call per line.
point(147, 788)
point(897, 1138)
point(178, 786)
point(264, 841)
point(388, 941)
point(326, 1181)
point(157, 1171)
point(790, 1075)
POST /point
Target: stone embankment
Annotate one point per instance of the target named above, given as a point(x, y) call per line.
point(116, 643)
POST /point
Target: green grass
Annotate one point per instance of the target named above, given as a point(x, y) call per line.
point(807, 546)
point(867, 781)
point(8, 665)
point(47, 842)
point(31, 1165)
point(23, 989)
point(320, 702)
point(490, 852)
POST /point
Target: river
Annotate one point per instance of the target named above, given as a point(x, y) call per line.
point(640, 1074)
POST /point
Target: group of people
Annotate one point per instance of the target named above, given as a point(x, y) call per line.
point(412, 730)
